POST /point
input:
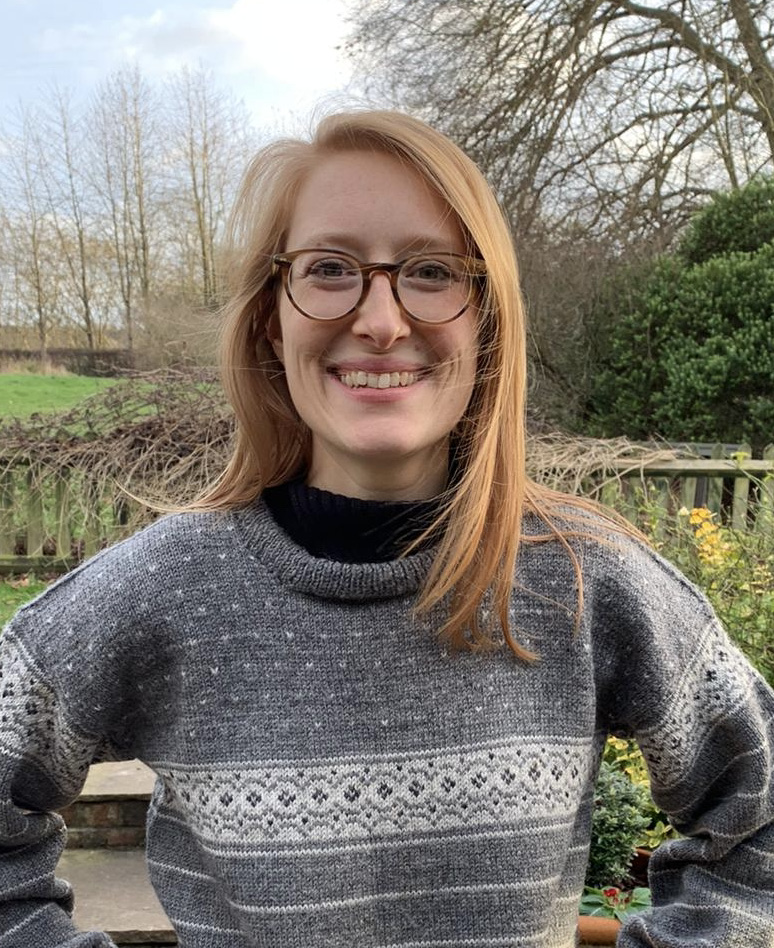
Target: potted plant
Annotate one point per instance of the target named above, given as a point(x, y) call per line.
point(603, 911)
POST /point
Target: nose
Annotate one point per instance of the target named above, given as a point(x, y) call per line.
point(379, 317)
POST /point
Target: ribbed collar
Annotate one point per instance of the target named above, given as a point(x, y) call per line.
point(298, 569)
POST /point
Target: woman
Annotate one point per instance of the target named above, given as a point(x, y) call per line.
point(330, 773)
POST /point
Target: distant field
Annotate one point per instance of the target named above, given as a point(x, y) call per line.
point(23, 395)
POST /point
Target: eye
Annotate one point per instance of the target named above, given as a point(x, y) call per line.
point(328, 269)
point(429, 273)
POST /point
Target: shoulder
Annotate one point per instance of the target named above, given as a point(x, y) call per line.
point(625, 581)
point(131, 572)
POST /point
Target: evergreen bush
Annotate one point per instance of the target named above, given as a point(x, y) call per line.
point(617, 823)
point(691, 355)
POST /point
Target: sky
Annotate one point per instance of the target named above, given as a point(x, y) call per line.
point(278, 56)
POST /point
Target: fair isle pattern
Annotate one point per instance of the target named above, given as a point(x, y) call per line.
point(713, 686)
point(347, 799)
point(34, 726)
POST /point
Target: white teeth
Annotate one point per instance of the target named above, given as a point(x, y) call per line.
point(360, 379)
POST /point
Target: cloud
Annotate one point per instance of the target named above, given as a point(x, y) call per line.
point(290, 42)
point(280, 56)
point(293, 41)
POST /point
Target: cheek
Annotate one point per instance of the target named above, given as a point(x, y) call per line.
point(299, 343)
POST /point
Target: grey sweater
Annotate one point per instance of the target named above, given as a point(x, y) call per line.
point(330, 775)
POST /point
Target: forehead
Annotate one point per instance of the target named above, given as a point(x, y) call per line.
point(367, 197)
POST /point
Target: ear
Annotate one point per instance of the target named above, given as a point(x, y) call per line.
point(274, 335)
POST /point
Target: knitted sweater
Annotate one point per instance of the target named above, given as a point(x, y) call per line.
point(330, 775)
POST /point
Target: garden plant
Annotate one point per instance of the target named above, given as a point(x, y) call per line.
point(735, 568)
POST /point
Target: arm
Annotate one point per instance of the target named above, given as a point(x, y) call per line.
point(712, 764)
point(44, 758)
point(704, 719)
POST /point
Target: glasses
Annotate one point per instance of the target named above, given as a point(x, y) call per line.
point(329, 284)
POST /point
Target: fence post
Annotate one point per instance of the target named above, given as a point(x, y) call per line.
point(741, 499)
point(35, 528)
point(92, 528)
point(765, 519)
point(688, 492)
point(715, 484)
point(7, 526)
point(62, 514)
point(610, 492)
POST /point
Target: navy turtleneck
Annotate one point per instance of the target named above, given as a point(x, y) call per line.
point(348, 529)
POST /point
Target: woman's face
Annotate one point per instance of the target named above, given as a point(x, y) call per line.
point(369, 440)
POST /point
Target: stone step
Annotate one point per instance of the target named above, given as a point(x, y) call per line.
point(113, 894)
point(112, 807)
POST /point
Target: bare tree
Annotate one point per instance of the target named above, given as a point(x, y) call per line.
point(126, 148)
point(615, 114)
point(601, 123)
point(209, 132)
point(112, 212)
point(59, 142)
point(30, 241)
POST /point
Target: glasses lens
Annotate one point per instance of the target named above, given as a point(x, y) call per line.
point(435, 289)
point(324, 285)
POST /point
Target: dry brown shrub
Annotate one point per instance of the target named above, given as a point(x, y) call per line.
point(154, 440)
point(581, 465)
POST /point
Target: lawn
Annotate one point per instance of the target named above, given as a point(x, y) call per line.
point(15, 592)
point(25, 394)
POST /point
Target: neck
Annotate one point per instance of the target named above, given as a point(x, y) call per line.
point(405, 479)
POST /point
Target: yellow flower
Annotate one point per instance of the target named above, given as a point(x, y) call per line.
point(700, 515)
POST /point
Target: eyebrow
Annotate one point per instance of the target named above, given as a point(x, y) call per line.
point(346, 242)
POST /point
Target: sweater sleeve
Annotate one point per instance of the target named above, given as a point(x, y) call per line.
point(44, 759)
point(704, 719)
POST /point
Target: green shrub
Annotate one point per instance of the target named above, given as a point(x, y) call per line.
point(617, 822)
point(626, 757)
point(733, 221)
point(691, 350)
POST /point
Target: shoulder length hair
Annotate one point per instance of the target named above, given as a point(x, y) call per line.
point(480, 521)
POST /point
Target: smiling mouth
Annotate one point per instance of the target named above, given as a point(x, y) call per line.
point(360, 379)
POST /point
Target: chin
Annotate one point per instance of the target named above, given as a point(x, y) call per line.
point(388, 452)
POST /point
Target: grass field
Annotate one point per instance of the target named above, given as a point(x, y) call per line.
point(25, 394)
point(15, 592)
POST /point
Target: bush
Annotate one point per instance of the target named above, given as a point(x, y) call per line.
point(736, 221)
point(626, 757)
point(692, 350)
point(617, 822)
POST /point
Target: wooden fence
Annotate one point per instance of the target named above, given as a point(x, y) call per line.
point(739, 490)
point(49, 523)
